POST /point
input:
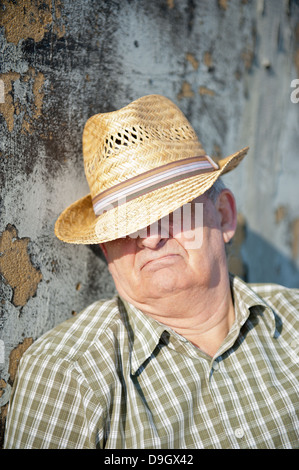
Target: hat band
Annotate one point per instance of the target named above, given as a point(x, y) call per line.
point(150, 181)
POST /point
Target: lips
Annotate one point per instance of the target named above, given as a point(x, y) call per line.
point(169, 258)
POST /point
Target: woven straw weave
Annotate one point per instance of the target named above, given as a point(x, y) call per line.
point(146, 134)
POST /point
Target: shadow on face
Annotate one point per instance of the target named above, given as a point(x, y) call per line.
point(202, 213)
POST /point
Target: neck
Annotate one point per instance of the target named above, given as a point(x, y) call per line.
point(204, 316)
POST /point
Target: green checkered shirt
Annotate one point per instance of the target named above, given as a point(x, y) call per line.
point(114, 378)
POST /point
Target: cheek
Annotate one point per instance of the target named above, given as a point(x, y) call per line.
point(118, 249)
point(123, 272)
point(203, 249)
point(120, 267)
point(120, 256)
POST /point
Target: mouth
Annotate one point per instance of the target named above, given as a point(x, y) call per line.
point(161, 261)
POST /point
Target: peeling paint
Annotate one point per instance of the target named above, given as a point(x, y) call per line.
point(16, 266)
point(4, 394)
point(31, 108)
point(15, 357)
point(193, 61)
point(7, 107)
point(30, 19)
point(186, 91)
point(223, 4)
point(2, 386)
point(38, 94)
point(205, 91)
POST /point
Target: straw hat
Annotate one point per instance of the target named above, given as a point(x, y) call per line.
point(141, 162)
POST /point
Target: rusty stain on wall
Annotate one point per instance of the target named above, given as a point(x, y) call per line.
point(31, 108)
point(16, 266)
point(25, 19)
point(205, 91)
point(186, 91)
point(193, 61)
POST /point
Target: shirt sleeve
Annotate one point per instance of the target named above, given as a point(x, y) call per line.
point(52, 407)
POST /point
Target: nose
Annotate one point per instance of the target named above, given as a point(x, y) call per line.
point(152, 237)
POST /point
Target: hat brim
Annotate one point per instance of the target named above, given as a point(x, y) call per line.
point(78, 224)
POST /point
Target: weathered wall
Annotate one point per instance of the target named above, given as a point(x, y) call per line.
point(227, 63)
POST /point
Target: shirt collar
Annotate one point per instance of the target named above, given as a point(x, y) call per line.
point(246, 301)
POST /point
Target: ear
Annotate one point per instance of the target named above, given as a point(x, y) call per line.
point(226, 207)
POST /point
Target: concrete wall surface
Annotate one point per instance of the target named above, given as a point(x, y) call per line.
point(232, 66)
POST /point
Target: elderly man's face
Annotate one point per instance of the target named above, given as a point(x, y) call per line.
point(160, 264)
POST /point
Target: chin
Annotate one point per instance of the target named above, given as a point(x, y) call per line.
point(164, 283)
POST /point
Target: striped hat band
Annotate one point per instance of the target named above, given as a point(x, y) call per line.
point(150, 181)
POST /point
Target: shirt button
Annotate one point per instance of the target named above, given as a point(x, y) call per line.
point(216, 365)
point(239, 433)
point(294, 343)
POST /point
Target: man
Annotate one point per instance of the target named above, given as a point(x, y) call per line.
point(186, 356)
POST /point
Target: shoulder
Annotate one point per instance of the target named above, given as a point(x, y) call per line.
point(72, 338)
point(274, 292)
point(283, 300)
